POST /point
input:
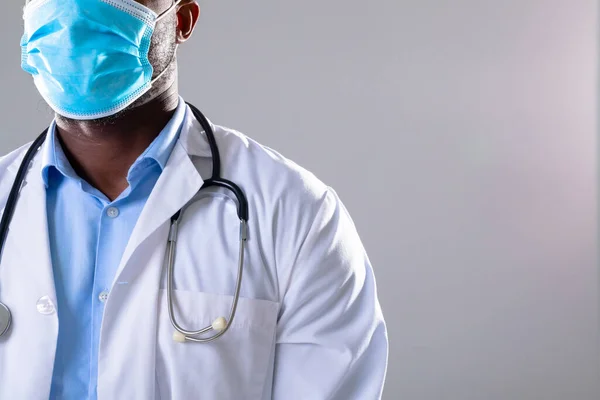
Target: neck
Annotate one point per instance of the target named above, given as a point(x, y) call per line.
point(101, 152)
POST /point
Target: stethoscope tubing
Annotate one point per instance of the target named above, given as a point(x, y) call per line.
point(215, 180)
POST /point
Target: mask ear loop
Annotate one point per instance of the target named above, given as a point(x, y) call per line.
point(161, 16)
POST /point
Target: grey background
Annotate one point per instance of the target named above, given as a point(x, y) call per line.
point(461, 137)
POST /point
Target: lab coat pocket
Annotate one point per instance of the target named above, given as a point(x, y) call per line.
point(235, 366)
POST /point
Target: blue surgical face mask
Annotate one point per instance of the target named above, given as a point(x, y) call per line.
point(89, 58)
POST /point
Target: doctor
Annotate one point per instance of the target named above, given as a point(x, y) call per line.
point(83, 266)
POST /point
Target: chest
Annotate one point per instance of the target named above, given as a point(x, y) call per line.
point(137, 355)
point(205, 268)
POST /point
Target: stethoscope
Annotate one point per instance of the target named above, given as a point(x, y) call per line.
point(219, 325)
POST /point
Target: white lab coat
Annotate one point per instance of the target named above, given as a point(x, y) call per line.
point(308, 326)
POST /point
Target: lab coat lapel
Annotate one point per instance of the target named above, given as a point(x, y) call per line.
point(25, 277)
point(178, 183)
point(28, 234)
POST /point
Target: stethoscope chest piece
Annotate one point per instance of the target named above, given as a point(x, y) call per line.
point(4, 319)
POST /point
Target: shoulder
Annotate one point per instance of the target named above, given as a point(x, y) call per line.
point(9, 165)
point(290, 208)
point(271, 177)
point(13, 158)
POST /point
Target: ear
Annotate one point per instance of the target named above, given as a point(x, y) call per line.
point(188, 12)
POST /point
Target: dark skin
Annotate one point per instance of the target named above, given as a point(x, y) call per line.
point(102, 151)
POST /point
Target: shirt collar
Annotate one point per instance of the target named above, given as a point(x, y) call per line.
point(54, 156)
point(159, 150)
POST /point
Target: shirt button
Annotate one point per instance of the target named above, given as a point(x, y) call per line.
point(45, 306)
point(112, 212)
point(103, 296)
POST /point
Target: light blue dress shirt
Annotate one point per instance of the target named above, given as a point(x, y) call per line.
point(88, 235)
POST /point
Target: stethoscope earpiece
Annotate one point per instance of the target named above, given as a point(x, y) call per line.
point(178, 337)
point(219, 324)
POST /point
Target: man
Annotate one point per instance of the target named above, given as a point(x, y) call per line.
point(83, 264)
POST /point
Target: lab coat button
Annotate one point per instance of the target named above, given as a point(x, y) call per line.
point(112, 212)
point(45, 306)
point(103, 297)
